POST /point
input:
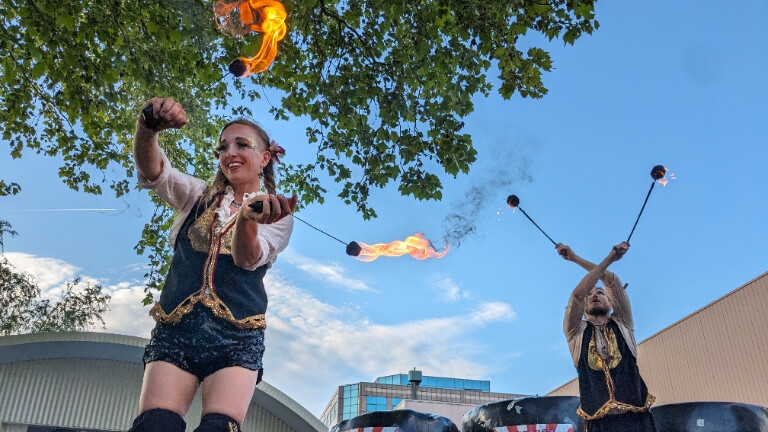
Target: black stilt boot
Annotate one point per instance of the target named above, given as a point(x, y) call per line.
point(158, 420)
point(214, 422)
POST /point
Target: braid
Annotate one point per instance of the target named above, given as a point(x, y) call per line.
point(269, 178)
point(216, 187)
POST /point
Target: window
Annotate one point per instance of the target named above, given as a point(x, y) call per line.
point(375, 403)
point(349, 401)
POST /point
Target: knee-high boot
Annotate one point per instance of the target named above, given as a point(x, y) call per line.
point(214, 422)
point(158, 420)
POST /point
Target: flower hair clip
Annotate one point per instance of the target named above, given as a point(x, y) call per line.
point(275, 150)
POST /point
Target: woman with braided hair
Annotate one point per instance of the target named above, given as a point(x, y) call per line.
point(210, 316)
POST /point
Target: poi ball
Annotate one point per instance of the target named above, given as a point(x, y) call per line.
point(238, 67)
point(513, 201)
point(354, 249)
point(658, 172)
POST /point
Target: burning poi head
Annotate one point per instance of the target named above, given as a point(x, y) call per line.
point(241, 17)
point(353, 249)
point(513, 201)
point(658, 172)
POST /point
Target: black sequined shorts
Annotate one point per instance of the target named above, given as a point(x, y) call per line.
point(202, 344)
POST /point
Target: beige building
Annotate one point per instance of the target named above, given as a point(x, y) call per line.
point(718, 353)
point(91, 381)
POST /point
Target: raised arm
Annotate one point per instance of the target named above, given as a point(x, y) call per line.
point(146, 151)
point(576, 304)
point(568, 254)
point(622, 310)
point(608, 278)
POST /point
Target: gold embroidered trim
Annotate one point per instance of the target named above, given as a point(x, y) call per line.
point(203, 229)
point(594, 360)
point(217, 243)
point(616, 407)
point(214, 303)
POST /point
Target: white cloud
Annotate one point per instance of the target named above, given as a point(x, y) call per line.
point(313, 347)
point(333, 273)
point(448, 289)
point(493, 311)
point(50, 273)
point(126, 313)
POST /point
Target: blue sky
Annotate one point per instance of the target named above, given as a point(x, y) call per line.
point(682, 84)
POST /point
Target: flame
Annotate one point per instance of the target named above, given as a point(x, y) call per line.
point(664, 180)
point(416, 246)
point(241, 17)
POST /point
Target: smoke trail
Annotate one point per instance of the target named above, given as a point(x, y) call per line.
point(509, 167)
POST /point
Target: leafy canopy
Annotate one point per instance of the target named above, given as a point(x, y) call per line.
point(385, 83)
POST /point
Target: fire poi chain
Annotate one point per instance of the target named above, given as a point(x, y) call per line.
point(246, 16)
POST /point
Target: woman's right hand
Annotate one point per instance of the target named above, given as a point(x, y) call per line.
point(166, 113)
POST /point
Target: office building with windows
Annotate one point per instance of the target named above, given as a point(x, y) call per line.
point(449, 397)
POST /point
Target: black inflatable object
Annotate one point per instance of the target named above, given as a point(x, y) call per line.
point(524, 411)
point(710, 417)
point(404, 420)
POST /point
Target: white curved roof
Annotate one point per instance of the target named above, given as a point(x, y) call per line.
point(85, 380)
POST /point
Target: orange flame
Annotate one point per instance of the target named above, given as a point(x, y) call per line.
point(664, 180)
point(416, 246)
point(241, 17)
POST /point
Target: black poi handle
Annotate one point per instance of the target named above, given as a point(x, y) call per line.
point(514, 202)
point(657, 173)
point(149, 118)
point(257, 206)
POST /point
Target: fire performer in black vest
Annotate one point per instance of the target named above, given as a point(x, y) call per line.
point(210, 316)
point(600, 331)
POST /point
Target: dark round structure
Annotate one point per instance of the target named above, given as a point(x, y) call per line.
point(658, 172)
point(353, 249)
point(526, 411)
point(710, 417)
point(513, 201)
point(238, 68)
point(404, 420)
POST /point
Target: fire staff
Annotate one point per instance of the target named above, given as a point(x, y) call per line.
point(599, 327)
point(210, 316)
